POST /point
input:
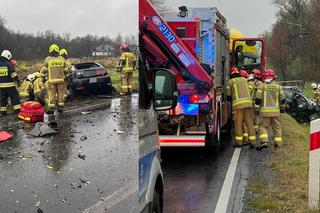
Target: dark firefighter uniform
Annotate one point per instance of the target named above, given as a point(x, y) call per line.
point(269, 97)
point(8, 80)
point(237, 89)
point(127, 65)
point(55, 68)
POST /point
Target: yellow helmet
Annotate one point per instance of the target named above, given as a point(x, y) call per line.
point(54, 48)
point(63, 52)
point(37, 74)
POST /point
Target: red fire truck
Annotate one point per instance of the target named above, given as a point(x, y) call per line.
point(194, 46)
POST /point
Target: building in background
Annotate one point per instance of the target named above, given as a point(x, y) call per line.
point(104, 50)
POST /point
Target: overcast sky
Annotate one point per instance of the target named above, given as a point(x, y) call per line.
point(250, 17)
point(78, 17)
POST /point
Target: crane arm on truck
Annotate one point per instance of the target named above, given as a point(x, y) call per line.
point(159, 42)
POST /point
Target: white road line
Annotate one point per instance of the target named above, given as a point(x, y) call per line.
point(114, 198)
point(224, 197)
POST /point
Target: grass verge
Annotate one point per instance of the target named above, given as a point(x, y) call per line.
point(288, 189)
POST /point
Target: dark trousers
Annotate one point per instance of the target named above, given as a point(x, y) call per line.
point(11, 92)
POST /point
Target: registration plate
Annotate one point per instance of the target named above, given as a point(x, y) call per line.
point(93, 80)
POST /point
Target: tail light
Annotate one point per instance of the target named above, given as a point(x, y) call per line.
point(198, 99)
point(101, 72)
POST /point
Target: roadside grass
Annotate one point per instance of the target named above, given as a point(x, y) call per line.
point(308, 90)
point(288, 189)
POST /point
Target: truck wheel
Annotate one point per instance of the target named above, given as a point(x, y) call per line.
point(155, 205)
point(214, 139)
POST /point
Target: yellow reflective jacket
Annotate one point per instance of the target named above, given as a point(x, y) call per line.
point(316, 94)
point(127, 61)
point(252, 88)
point(271, 95)
point(38, 86)
point(55, 68)
point(25, 88)
point(239, 90)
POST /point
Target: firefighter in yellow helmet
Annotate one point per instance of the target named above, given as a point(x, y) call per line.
point(26, 89)
point(8, 81)
point(127, 65)
point(38, 88)
point(238, 92)
point(64, 54)
point(55, 67)
point(270, 98)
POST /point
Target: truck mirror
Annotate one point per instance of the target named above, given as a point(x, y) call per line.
point(165, 94)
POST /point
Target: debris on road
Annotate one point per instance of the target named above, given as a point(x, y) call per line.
point(42, 129)
point(86, 182)
point(81, 156)
point(83, 138)
point(85, 113)
point(39, 210)
point(50, 167)
point(25, 157)
point(120, 132)
point(5, 136)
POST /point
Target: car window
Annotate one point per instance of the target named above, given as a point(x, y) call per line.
point(86, 66)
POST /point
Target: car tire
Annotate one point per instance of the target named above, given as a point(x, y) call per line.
point(72, 94)
point(155, 205)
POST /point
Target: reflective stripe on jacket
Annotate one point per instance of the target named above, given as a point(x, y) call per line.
point(239, 90)
point(127, 61)
point(56, 69)
point(38, 85)
point(25, 88)
point(271, 94)
point(7, 73)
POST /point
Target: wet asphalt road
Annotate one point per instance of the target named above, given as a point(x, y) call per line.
point(47, 174)
point(193, 178)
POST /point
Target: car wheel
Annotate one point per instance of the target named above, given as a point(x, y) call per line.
point(72, 94)
point(155, 205)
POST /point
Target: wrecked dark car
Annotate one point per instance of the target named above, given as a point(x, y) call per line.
point(89, 78)
point(298, 105)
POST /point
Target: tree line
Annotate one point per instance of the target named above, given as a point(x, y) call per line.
point(293, 47)
point(26, 46)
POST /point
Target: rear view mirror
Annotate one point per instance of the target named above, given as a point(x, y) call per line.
point(164, 90)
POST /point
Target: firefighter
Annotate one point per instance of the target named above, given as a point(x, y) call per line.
point(64, 54)
point(39, 89)
point(238, 93)
point(270, 98)
point(244, 74)
point(55, 67)
point(315, 92)
point(26, 89)
point(258, 84)
point(127, 65)
point(8, 81)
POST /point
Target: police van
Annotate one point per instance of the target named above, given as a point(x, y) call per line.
point(156, 96)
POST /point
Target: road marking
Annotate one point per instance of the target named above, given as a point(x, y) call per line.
point(113, 199)
point(224, 197)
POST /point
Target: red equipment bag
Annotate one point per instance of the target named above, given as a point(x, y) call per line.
point(31, 112)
